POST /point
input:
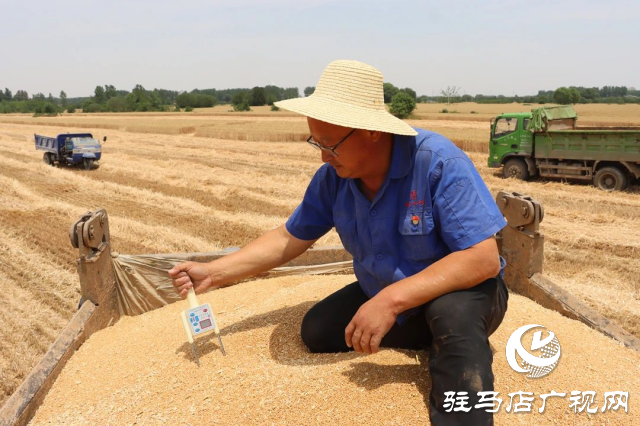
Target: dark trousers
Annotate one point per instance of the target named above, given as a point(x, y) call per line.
point(454, 328)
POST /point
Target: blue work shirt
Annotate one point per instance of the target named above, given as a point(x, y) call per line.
point(432, 202)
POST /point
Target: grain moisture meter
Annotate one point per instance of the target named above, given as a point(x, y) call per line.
point(198, 320)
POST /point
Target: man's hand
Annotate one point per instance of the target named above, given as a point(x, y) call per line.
point(369, 325)
point(191, 274)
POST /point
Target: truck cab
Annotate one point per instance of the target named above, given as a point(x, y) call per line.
point(510, 138)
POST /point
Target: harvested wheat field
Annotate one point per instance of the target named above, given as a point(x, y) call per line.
point(141, 370)
point(179, 182)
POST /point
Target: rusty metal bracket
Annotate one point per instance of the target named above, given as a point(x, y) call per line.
point(90, 235)
point(90, 232)
point(521, 211)
point(520, 242)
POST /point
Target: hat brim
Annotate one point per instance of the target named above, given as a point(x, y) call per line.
point(345, 115)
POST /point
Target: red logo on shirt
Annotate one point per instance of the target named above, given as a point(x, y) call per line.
point(413, 195)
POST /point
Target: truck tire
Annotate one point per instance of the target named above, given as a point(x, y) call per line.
point(87, 163)
point(515, 168)
point(47, 159)
point(610, 179)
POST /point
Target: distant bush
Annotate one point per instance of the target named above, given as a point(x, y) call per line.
point(240, 101)
point(195, 100)
point(402, 104)
point(177, 109)
point(71, 109)
point(444, 111)
point(474, 112)
point(116, 104)
point(93, 107)
point(271, 99)
point(188, 109)
point(275, 108)
point(47, 109)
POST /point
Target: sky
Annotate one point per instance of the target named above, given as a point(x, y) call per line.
point(484, 47)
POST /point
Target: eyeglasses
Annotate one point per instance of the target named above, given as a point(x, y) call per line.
point(331, 149)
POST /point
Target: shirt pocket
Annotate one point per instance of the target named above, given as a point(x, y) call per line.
point(347, 229)
point(417, 239)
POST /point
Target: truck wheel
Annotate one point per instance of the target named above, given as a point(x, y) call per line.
point(88, 163)
point(47, 159)
point(610, 179)
point(515, 168)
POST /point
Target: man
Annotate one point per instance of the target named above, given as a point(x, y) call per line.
point(420, 223)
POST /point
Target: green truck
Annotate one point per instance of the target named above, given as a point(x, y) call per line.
point(546, 142)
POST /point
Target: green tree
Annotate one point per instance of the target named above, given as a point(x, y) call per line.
point(402, 104)
point(99, 97)
point(63, 99)
point(39, 96)
point(389, 92)
point(156, 101)
point(50, 98)
point(184, 100)
point(291, 93)
point(575, 95)
point(308, 91)
point(46, 108)
point(21, 95)
point(566, 96)
point(7, 94)
point(240, 102)
point(450, 93)
point(116, 104)
point(258, 96)
point(271, 99)
point(409, 91)
point(71, 109)
point(109, 91)
point(195, 100)
point(131, 102)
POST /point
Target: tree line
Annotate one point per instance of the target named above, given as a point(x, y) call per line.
point(562, 95)
point(109, 99)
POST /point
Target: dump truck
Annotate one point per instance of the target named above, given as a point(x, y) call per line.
point(548, 143)
point(70, 149)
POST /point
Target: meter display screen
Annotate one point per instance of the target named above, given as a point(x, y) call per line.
point(206, 323)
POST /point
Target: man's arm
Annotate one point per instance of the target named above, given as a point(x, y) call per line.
point(457, 271)
point(272, 249)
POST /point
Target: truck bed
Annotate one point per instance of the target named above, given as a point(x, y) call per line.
point(590, 143)
point(46, 143)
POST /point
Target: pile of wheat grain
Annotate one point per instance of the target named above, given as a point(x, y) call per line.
point(141, 370)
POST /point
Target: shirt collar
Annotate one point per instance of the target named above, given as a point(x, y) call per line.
point(400, 157)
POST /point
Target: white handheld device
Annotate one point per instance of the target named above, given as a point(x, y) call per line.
point(198, 320)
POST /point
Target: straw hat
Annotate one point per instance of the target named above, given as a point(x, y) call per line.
point(349, 94)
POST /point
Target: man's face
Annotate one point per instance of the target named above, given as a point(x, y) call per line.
point(354, 154)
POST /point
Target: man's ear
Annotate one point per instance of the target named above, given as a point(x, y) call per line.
point(374, 135)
